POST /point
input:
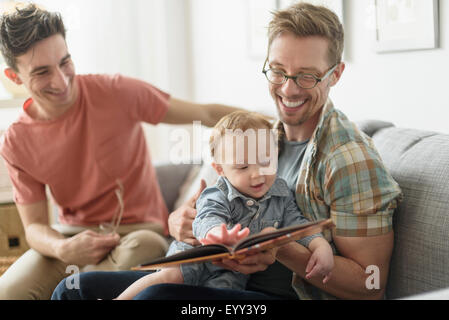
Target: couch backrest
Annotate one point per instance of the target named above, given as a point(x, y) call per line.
point(419, 162)
point(170, 178)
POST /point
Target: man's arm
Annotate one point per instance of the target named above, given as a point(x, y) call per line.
point(184, 112)
point(180, 221)
point(84, 248)
point(349, 274)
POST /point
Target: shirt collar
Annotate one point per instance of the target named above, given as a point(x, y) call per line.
point(327, 109)
point(278, 189)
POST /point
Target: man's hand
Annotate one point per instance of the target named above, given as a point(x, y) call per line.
point(180, 221)
point(251, 263)
point(87, 247)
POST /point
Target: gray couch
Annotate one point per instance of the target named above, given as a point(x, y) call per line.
point(419, 161)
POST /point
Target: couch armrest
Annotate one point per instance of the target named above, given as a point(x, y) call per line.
point(370, 127)
point(171, 178)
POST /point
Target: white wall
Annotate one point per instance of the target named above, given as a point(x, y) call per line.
point(223, 68)
point(406, 88)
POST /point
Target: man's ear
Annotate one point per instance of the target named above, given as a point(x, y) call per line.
point(13, 76)
point(337, 74)
point(218, 168)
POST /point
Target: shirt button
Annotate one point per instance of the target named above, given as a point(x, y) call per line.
point(250, 203)
point(276, 224)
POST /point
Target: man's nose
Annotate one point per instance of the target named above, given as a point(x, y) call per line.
point(290, 88)
point(59, 80)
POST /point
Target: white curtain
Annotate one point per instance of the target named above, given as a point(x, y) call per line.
point(116, 36)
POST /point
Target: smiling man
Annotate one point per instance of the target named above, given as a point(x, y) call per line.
point(333, 168)
point(81, 136)
point(47, 71)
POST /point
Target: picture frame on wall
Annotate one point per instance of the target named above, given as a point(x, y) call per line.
point(404, 25)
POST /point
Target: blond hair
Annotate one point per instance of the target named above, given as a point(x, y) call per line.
point(238, 120)
point(305, 20)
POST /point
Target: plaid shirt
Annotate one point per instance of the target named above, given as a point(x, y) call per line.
point(342, 177)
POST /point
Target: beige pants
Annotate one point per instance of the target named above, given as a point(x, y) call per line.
point(34, 276)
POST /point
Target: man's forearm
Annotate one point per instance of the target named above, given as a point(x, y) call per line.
point(215, 112)
point(348, 277)
point(44, 239)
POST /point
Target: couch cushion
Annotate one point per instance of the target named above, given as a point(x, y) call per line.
point(193, 182)
point(170, 177)
point(419, 162)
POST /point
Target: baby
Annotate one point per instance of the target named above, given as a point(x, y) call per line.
point(247, 198)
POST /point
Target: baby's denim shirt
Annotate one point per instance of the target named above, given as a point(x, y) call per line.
point(222, 203)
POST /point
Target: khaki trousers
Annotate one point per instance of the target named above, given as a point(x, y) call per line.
point(34, 276)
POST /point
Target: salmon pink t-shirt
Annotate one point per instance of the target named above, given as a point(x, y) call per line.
point(81, 154)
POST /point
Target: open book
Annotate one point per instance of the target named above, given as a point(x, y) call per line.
point(249, 245)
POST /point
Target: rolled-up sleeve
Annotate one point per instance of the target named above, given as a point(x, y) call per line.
point(360, 193)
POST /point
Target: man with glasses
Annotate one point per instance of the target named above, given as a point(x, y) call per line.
point(333, 168)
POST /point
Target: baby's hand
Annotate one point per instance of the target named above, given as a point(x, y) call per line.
point(224, 236)
point(321, 262)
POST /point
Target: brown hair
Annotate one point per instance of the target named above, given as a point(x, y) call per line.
point(238, 120)
point(22, 27)
point(305, 20)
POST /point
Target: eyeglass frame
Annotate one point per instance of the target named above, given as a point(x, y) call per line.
point(294, 78)
point(111, 227)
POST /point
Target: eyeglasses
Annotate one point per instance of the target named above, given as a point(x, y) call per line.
point(303, 80)
point(111, 227)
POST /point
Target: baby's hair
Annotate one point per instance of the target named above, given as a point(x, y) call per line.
point(238, 120)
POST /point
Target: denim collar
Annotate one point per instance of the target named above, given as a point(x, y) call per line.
point(279, 189)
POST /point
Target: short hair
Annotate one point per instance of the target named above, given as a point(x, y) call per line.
point(25, 25)
point(304, 20)
point(238, 120)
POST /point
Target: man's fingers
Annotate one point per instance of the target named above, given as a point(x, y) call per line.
point(189, 213)
point(107, 242)
point(249, 264)
point(192, 200)
point(192, 241)
point(242, 268)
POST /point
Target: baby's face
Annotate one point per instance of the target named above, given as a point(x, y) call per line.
point(249, 163)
